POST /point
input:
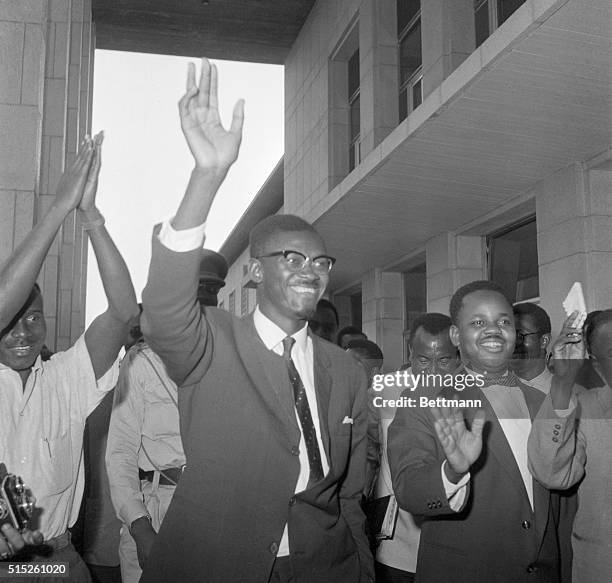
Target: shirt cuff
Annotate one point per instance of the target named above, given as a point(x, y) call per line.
point(132, 510)
point(184, 240)
point(455, 493)
point(570, 409)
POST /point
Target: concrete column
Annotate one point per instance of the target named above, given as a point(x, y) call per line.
point(383, 314)
point(448, 38)
point(452, 261)
point(42, 121)
point(378, 72)
point(574, 214)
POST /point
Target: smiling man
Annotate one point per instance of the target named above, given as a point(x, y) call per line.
point(485, 518)
point(273, 418)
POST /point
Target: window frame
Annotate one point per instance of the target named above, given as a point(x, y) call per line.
point(417, 76)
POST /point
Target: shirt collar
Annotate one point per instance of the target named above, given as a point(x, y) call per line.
point(272, 335)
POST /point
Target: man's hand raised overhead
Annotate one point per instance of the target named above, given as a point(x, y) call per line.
point(213, 147)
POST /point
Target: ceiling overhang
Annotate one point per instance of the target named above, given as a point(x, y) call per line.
point(260, 31)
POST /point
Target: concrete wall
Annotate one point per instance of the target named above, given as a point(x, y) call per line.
point(45, 110)
point(235, 281)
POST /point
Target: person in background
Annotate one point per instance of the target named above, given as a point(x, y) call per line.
point(349, 333)
point(570, 442)
point(431, 352)
point(532, 341)
point(370, 356)
point(324, 322)
point(145, 455)
point(45, 403)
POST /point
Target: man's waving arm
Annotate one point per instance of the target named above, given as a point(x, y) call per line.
point(172, 319)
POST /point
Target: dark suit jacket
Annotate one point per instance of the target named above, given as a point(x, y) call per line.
point(495, 537)
point(241, 436)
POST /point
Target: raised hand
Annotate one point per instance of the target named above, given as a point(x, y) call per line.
point(568, 349)
point(72, 183)
point(88, 201)
point(214, 148)
point(461, 447)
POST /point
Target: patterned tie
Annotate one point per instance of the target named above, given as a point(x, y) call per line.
point(303, 411)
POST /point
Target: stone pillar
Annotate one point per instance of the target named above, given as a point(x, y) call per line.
point(448, 38)
point(574, 214)
point(452, 261)
point(383, 314)
point(378, 72)
point(47, 51)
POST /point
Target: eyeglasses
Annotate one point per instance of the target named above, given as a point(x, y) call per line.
point(296, 261)
point(520, 336)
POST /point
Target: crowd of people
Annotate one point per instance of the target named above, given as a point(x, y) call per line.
point(272, 448)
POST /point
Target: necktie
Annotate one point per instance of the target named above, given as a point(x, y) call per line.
point(303, 412)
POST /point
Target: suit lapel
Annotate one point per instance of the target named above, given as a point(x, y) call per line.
point(268, 375)
point(541, 496)
point(495, 441)
point(323, 387)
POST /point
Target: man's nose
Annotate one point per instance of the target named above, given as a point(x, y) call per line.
point(20, 330)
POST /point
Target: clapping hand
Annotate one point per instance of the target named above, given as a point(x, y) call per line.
point(214, 148)
point(88, 200)
point(461, 446)
point(72, 183)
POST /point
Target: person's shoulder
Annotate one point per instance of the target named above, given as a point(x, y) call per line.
point(595, 400)
point(335, 353)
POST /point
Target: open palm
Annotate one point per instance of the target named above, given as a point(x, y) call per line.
point(461, 446)
point(213, 147)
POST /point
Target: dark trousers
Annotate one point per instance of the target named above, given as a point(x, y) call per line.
point(282, 572)
point(386, 574)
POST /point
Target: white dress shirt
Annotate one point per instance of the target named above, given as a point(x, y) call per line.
point(272, 336)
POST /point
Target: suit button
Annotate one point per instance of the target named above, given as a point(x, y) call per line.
point(438, 504)
point(531, 569)
point(555, 439)
point(555, 432)
point(295, 450)
point(292, 501)
point(557, 426)
point(273, 548)
point(526, 524)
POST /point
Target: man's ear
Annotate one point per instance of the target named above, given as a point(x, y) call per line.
point(545, 341)
point(255, 270)
point(454, 335)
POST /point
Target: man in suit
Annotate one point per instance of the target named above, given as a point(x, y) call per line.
point(273, 418)
point(485, 519)
point(570, 443)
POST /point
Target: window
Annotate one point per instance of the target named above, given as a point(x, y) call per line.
point(410, 56)
point(489, 14)
point(344, 107)
point(355, 111)
point(415, 300)
point(244, 301)
point(513, 260)
point(232, 302)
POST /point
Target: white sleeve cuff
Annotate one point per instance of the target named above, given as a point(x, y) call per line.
point(562, 413)
point(182, 241)
point(455, 493)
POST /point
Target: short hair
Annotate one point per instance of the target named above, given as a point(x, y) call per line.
point(324, 304)
point(593, 321)
point(263, 231)
point(456, 302)
point(539, 315)
point(432, 322)
point(349, 330)
point(370, 350)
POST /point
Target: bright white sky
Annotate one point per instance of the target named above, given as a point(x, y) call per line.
point(146, 163)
